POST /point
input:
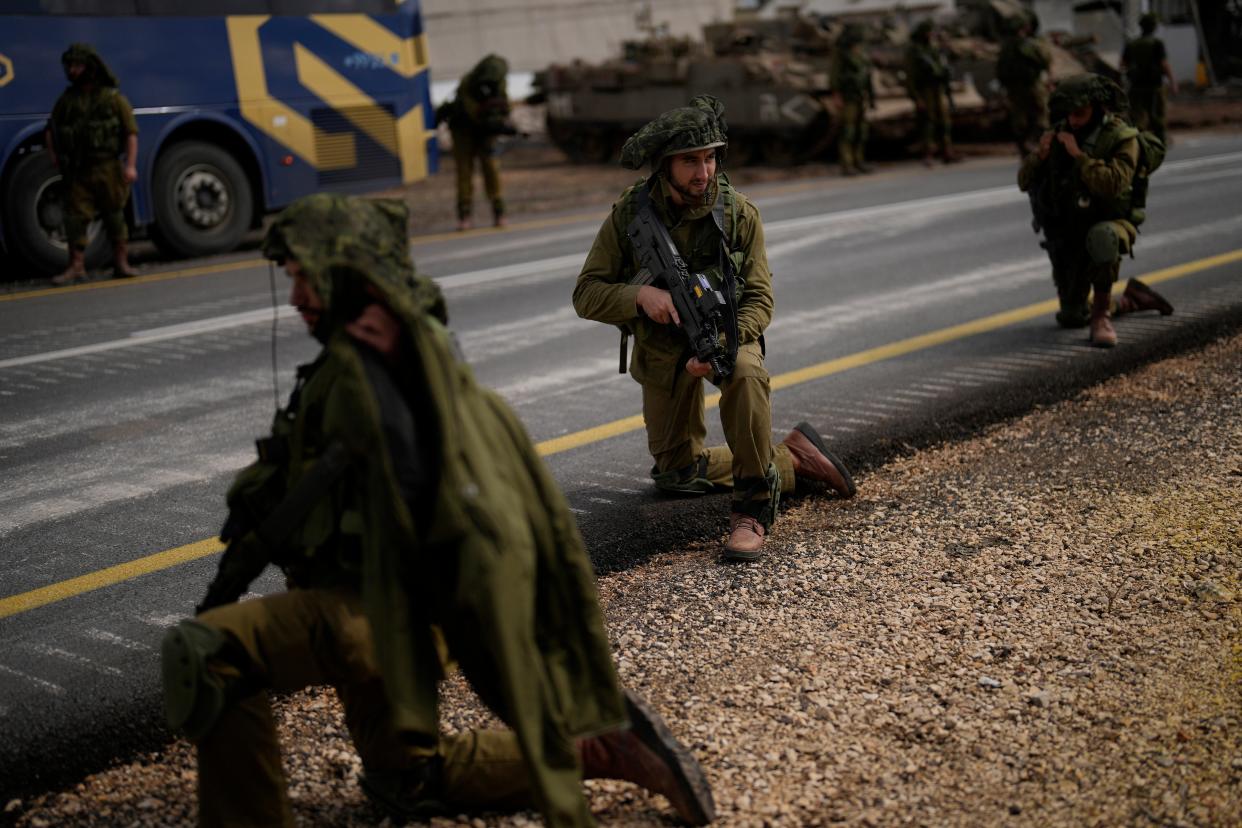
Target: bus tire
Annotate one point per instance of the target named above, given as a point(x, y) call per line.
point(33, 215)
point(201, 199)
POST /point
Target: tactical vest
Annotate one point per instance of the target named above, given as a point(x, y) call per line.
point(1143, 63)
point(89, 127)
point(851, 75)
point(1061, 200)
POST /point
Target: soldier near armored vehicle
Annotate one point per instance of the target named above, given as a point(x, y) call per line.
point(927, 82)
point(1022, 68)
point(853, 91)
point(91, 127)
point(1087, 184)
point(1145, 64)
point(717, 233)
point(416, 525)
point(477, 116)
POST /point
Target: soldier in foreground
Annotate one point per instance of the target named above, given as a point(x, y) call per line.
point(853, 91)
point(1021, 68)
point(717, 233)
point(92, 125)
point(927, 81)
point(1086, 181)
point(476, 116)
point(416, 527)
point(1145, 63)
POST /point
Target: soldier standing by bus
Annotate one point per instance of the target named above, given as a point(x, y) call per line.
point(91, 125)
point(476, 116)
point(853, 91)
point(1145, 64)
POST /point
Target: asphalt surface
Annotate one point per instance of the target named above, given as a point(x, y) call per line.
point(907, 313)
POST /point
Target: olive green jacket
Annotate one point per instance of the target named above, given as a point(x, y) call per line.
point(489, 555)
point(603, 292)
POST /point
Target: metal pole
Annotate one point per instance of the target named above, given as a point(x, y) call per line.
point(1203, 46)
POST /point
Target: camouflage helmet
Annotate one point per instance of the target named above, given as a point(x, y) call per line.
point(487, 78)
point(1083, 90)
point(700, 125)
point(345, 245)
point(96, 70)
point(1147, 23)
point(852, 33)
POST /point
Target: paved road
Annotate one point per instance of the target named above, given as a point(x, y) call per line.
point(908, 309)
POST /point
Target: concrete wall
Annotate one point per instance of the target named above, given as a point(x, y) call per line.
point(530, 34)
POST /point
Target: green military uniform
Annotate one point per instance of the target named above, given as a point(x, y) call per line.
point(673, 407)
point(927, 82)
point(1020, 68)
point(1143, 60)
point(476, 116)
point(1085, 207)
point(850, 78)
point(89, 126)
point(442, 536)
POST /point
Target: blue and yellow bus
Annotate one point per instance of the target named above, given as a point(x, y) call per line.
point(242, 106)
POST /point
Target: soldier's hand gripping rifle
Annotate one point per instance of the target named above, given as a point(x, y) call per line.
point(707, 315)
point(251, 548)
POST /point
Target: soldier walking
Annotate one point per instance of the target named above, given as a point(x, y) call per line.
point(92, 124)
point(719, 234)
point(1021, 68)
point(1081, 180)
point(476, 116)
point(853, 91)
point(1145, 63)
point(927, 82)
point(416, 527)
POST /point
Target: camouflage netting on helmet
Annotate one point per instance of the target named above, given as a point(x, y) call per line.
point(97, 72)
point(701, 125)
point(492, 69)
point(1084, 90)
point(344, 244)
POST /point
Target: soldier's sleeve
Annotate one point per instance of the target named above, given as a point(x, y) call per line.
point(1109, 177)
point(125, 112)
point(754, 311)
point(601, 293)
point(1028, 171)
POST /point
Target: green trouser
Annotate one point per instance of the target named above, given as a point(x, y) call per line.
point(1028, 114)
point(308, 637)
point(468, 146)
point(1076, 275)
point(676, 423)
point(933, 123)
point(97, 187)
point(852, 140)
point(1147, 110)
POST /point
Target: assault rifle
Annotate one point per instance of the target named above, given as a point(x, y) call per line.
point(251, 548)
point(704, 311)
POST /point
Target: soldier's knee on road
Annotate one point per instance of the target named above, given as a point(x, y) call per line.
point(1104, 243)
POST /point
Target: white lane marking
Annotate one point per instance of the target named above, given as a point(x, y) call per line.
point(116, 640)
point(163, 621)
point(1205, 161)
point(50, 687)
point(74, 658)
point(508, 337)
point(1200, 177)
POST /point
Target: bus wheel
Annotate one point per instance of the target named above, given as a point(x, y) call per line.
point(201, 199)
point(34, 214)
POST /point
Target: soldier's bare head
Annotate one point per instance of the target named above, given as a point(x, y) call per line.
point(690, 175)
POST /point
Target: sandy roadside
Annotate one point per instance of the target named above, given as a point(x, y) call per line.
point(1037, 626)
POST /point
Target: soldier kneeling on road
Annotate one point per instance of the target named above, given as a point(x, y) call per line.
point(688, 216)
point(416, 527)
point(1088, 184)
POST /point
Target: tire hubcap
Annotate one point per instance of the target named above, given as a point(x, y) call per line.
point(203, 198)
point(49, 206)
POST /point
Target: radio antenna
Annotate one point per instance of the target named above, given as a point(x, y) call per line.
point(271, 278)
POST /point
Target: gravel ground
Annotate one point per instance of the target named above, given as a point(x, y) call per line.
point(1037, 626)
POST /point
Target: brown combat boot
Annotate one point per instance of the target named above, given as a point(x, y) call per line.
point(1139, 297)
point(813, 461)
point(649, 755)
point(121, 268)
point(75, 272)
point(745, 538)
point(1102, 333)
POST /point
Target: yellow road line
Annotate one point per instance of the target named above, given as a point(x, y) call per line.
point(106, 577)
point(172, 557)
